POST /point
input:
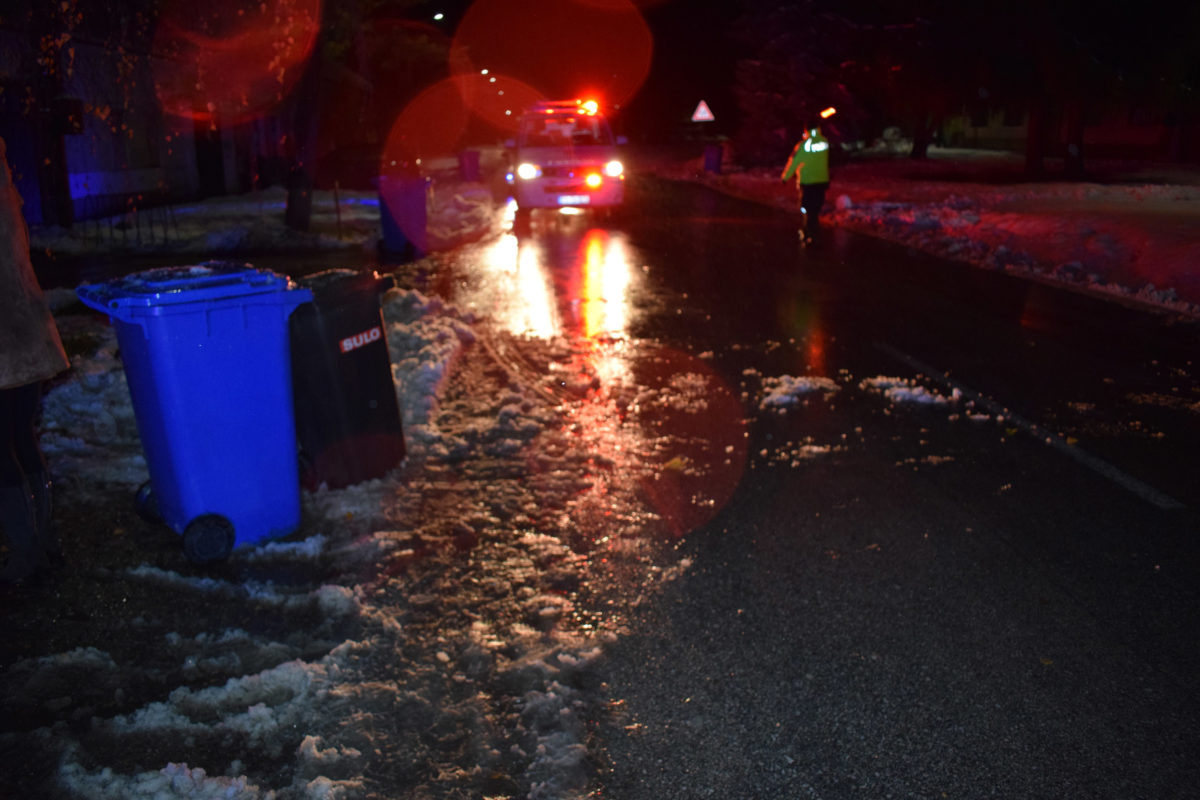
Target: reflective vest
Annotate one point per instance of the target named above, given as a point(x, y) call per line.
point(809, 161)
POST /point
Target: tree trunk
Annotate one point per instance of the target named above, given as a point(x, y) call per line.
point(1175, 148)
point(1074, 163)
point(1035, 136)
point(922, 138)
point(48, 126)
point(306, 115)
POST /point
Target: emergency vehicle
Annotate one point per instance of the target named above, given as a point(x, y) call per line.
point(565, 156)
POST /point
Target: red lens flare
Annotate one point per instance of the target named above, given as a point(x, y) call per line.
point(432, 124)
point(231, 61)
point(559, 47)
point(705, 442)
point(384, 48)
point(497, 100)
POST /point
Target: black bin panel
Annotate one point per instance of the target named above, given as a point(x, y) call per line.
point(347, 419)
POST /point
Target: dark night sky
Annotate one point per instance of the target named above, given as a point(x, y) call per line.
point(1151, 45)
point(694, 60)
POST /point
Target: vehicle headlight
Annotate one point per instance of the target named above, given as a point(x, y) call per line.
point(614, 168)
point(593, 180)
point(528, 171)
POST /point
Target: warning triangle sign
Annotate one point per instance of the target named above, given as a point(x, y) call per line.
point(702, 113)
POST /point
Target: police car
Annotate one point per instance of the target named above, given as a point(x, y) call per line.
point(565, 156)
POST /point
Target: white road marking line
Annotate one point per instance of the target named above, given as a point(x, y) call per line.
point(1055, 440)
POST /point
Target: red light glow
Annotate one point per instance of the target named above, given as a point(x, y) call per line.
point(558, 47)
point(496, 99)
point(704, 447)
point(431, 124)
point(230, 61)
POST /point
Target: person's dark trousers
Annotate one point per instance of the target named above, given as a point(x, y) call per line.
point(812, 197)
point(22, 472)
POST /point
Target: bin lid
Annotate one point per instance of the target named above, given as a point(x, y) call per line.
point(336, 285)
point(210, 281)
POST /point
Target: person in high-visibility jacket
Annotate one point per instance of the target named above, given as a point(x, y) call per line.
point(809, 163)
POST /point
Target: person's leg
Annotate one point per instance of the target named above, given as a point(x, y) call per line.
point(18, 406)
point(809, 207)
point(814, 201)
point(33, 466)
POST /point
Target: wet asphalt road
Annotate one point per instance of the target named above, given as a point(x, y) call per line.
point(931, 606)
point(936, 607)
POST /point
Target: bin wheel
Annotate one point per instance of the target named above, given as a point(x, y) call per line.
point(208, 538)
point(146, 504)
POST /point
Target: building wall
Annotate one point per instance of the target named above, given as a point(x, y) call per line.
point(121, 151)
point(14, 127)
point(126, 152)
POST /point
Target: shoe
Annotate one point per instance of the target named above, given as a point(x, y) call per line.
point(40, 489)
point(25, 554)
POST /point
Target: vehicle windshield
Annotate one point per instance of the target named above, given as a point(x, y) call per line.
point(561, 130)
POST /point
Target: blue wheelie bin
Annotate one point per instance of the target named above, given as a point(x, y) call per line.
point(403, 215)
point(206, 355)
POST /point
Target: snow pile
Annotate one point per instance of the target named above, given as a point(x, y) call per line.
point(795, 454)
point(459, 213)
point(778, 393)
point(254, 707)
point(434, 633)
point(911, 391)
point(330, 601)
point(311, 548)
point(784, 391)
point(90, 432)
point(53, 677)
point(244, 223)
point(1130, 232)
point(172, 781)
point(88, 426)
point(906, 390)
point(424, 337)
point(255, 223)
point(253, 718)
point(1127, 240)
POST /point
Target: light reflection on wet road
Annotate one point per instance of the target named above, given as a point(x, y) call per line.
point(575, 281)
point(663, 426)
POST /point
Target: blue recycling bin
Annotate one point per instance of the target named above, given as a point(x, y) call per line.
point(206, 354)
point(403, 214)
point(713, 154)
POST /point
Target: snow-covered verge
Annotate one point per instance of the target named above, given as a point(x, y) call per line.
point(416, 639)
point(1129, 230)
point(433, 633)
point(342, 222)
